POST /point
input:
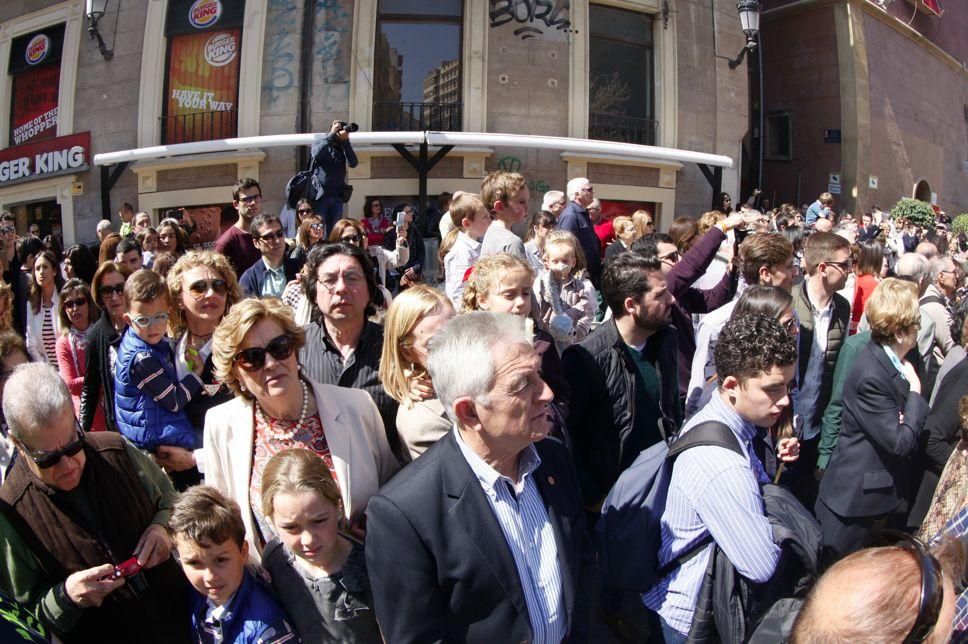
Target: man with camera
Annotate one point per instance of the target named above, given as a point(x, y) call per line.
point(83, 537)
point(330, 157)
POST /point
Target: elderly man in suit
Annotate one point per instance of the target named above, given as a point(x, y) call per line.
point(483, 530)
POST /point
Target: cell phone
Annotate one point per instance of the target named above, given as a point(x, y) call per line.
point(127, 568)
point(401, 219)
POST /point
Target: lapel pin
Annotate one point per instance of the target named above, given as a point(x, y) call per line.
point(551, 480)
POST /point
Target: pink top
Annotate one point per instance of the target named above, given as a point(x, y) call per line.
point(72, 364)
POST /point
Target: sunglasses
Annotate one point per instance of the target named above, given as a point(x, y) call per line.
point(201, 287)
point(254, 358)
point(106, 291)
point(145, 321)
point(75, 304)
point(250, 198)
point(279, 234)
point(47, 460)
point(672, 257)
point(316, 226)
point(305, 211)
point(352, 239)
point(6, 230)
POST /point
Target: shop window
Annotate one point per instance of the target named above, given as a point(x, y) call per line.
point(202, 79)
point(417, 66)
point(621, 76)
point(35, 70)
point(779, 136)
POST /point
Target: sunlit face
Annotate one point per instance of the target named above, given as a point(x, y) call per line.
point(208, 306)
point(560, 258)
point(425, 329)
point(77, 309)
point(653, 308)
point(341, 290)
point(249, 203)
point(277, 376)
point(167, 239)
point(150, 244)
point(516, 208)
point(477, 227)
point(541, 231)
point(132, 260)
point(141, 221)
point(762, 398)
point(316, 229)
point(511, 294)
point(376, 210)
point(114, 302)
point(586, 195)
point(836, 271)
point(66, 474)
point(43, 272)
point(216, 572)
point(271, 242)
point(668, 255)
point(779, 275)
point(308, 523)
point(155, 331)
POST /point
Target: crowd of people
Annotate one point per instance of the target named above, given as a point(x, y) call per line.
point(298, 435)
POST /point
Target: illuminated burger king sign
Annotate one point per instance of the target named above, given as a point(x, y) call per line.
point(37, 49)
point(204, 13)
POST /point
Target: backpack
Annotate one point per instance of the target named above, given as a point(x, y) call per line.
point(303, 186)
point(629, 531)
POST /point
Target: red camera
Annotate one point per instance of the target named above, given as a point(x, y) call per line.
point(125, 569)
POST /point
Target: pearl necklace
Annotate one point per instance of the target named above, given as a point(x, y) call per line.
point(286, 435)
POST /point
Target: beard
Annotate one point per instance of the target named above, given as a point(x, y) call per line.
point(652, 323)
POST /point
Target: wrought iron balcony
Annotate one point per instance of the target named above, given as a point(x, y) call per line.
point(623, 129)
point(199, 126)
point(395, 116)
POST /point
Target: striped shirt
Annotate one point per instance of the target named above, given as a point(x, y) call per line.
point(713, 491)
point(523, 518)
point(49, 336)
point(150, 378)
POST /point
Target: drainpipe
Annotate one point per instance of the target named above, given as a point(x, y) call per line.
point(304, 111)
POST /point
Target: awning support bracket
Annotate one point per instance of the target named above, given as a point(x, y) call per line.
point(715, 179)
point(423, 164)
point(109, 177)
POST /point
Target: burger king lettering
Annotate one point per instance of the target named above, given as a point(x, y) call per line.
point(37, 49)
point(43, 159)
point(204, 13)
point(220, 49)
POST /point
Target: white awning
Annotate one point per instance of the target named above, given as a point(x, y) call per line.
point(433, 139)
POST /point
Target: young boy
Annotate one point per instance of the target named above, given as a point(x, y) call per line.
point(149, 397)
point(231, 607)
point(505, 196)
point(472, 219)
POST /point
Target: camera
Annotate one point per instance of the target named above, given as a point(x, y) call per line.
point(125, 569)
point(348, 127)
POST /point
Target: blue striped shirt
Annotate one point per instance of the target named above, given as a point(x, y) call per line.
point(713, 491)
point(523, 518)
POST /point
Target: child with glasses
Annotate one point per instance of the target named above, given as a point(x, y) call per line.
point(149, 397)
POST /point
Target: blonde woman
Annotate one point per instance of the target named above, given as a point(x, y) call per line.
point(626, 233)
point(413, 318)
point(644, 222)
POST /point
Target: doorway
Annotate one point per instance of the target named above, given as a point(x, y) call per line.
point(45, 216)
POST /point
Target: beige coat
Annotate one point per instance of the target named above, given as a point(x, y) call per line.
point(354, 432)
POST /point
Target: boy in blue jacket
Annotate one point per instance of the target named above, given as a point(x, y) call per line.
point(148, 396)
point(231, 607)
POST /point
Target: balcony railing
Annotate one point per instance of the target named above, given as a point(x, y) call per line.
point(200, 126)
point(623, 129)
point(394, 116)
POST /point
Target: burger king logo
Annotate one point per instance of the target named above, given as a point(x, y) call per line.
point(37, 49)
point(220, 49)
point(204, 13)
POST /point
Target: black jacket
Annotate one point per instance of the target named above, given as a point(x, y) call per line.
point(330, 157)
point(602, 415)
point(252, 279)
point(99, 378)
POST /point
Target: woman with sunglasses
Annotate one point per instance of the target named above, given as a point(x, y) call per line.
point(376, 224)
point(311, 231)
point(103, 339)
point(255, 352)
point(77, 313)
point(203, 288)
point(43, 325)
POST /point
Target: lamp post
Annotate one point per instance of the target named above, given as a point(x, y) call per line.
point(749, 18)
point(95, 10)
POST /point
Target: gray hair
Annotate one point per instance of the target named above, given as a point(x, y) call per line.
point(550, 197)
point(104, 224)
point(33, 398)
point(574, 187)
point(929, 250)
point(914, 266)
point(939, 265)
point(460, 360)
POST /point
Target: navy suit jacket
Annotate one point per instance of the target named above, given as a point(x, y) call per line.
point(868, 473)
point(439, 565)
point(252, 278)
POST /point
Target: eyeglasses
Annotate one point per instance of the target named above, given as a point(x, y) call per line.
point(250, 198)
point(201, 287)
point(6, 230)
point(351, 239)
point(75, 304)
point(589, 189)
point(276, 236)
point(254, 358)
point(672, 257)
point(844, 266)
point(316, 226)
point(305, 211)
point(350, 278)
point(47, 460)
point(649, 223)
point(145, 321)
point(791, 325)
point(106, 290)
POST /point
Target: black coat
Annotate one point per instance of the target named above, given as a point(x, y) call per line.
point(602, 415)
point(439, 565)
point(99, 377)
point(868, 474)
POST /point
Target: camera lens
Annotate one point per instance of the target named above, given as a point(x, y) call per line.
point(351, 127)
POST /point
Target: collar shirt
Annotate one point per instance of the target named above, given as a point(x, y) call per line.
point(274, 281)
point(530, 537)
point(809, 393)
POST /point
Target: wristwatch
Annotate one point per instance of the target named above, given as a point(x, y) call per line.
point(403, 242)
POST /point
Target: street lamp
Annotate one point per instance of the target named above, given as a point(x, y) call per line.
point(749, 18)
point(94, 11)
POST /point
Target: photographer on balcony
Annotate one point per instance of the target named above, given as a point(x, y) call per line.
point(330, 157)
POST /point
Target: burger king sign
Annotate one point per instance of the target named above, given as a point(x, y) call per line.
point(220, 49)
point(37, 49)
point(204, 13)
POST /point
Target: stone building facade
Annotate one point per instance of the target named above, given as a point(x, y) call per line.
point(649, 71)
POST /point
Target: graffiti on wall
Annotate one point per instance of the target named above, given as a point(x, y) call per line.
point(534, 17)
point(281, 55)
point(513, 164)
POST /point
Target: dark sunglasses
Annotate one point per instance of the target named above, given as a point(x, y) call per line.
point(351, 239)
point(279, 234)
point(47, 460)
point(305, 211)
point(75, 304)
point(201, 287)
point(316, 226)
point(254, 358)
point(106, 290)
point(671, 257)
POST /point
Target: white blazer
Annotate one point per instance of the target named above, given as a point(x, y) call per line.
point(354, 432)
point(35, 329)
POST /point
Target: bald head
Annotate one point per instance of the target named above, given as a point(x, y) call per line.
point(927, 249)
point(823, 225)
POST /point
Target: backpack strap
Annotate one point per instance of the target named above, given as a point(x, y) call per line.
point(710, 433)
point(933, 299)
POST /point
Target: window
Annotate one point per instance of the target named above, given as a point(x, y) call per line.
point(621, 76)
point(779, 137)
point(202, 83)
point(35, 68)
point(417, 65)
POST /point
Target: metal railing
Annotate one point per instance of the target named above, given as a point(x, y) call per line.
point(199, 126)
point(624, 129)
point(395, 116)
